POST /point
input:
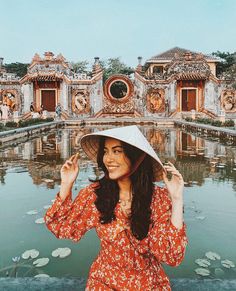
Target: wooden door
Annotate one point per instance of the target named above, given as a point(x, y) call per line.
point(49, 99)
point(188, 99)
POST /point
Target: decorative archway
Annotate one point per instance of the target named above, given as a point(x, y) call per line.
point(118, 93)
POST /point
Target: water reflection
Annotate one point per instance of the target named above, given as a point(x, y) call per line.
point(30, 178)
point(197, 158)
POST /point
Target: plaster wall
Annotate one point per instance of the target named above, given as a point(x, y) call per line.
point(211, 101)
point(172, 96)
point(28, 96)
point(63, 98)
point(96, 96)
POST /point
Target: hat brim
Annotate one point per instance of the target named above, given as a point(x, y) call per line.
point(90, 145)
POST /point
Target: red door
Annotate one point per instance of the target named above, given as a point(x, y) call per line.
point(188, 99)
point(49, 99)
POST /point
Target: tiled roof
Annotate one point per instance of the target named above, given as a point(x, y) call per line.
point(176, 51)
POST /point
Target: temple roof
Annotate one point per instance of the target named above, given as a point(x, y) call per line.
point(40, 76)
point(188, 67)
point(177, 52)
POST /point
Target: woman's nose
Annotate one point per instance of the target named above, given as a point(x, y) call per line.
point(109, 157)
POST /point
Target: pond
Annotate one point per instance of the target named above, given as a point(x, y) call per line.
point(30, 179)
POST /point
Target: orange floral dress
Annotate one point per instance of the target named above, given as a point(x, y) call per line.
point(123, 263)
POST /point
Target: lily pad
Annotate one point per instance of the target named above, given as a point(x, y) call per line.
point(61, 252)
point(227, 264)
point(200, 217)
point(39, 220)
point(202, 262)
point(42, 276)
point(32, 212)
point(212, 256)
point(30, 254)
point(202, 272)
point(41, 262)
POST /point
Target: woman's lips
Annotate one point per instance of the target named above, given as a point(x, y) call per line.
point(111, 168)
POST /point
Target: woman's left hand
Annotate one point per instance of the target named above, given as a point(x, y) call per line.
point(175, 185)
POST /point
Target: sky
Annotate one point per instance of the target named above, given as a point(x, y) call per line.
point(81, 30)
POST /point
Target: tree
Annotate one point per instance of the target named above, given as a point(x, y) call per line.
point(80, 67)
point(114, 66)
point(228, 59)
point(19, 69)
point(226, 69)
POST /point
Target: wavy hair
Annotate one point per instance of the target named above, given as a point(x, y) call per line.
point(141, 186)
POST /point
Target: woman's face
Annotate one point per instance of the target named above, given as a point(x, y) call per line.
point(115, 160)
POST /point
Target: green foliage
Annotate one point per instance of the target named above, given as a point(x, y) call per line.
point(227, 67)
point(11, 124)
point(227, 123)
point(216, 123)
point(189, 119)
point(19, 69)
point(33, 121)
point(80, 67)
point(114, 66)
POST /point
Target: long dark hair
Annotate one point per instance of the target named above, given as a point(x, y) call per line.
point(142, 188)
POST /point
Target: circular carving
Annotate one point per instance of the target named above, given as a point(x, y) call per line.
point(118, 88)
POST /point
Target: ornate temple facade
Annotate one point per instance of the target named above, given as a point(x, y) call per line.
point(176, 83)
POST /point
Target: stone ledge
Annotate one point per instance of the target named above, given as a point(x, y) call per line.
point(75, 284)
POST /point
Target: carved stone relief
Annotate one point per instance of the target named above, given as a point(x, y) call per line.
point(9, 97)
point(155, 100)
point(80, 101)
point(228, 101)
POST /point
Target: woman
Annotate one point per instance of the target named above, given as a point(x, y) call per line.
point(139, 225)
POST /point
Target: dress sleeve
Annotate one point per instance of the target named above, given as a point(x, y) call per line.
point(67, 219)
point(166, 242)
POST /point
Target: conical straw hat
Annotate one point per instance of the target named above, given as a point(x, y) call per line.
point(129, 134)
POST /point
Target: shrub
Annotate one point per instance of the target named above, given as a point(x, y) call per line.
point(33, 121)
point(189, 119)
point(216, 123)
point(11, 124)
point(229, 123)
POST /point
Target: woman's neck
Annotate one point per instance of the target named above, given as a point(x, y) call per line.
point(125, 189)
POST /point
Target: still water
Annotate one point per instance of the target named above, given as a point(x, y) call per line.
point(30, 179)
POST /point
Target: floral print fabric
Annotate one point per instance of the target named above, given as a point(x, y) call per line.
point(123, 263)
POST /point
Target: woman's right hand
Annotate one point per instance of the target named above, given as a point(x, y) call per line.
point(69, 172)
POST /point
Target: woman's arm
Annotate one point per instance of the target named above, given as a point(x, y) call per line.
point(166, 241)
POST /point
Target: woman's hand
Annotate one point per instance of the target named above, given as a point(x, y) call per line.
point(69, 172)
point(175, 185)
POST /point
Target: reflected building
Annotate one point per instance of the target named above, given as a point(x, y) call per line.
point(195, 157)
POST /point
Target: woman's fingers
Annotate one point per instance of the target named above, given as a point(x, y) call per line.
point(170, 168)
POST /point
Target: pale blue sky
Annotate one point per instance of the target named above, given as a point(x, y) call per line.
point(81, 30)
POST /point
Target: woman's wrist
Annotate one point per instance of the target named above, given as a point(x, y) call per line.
point(65, 190)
